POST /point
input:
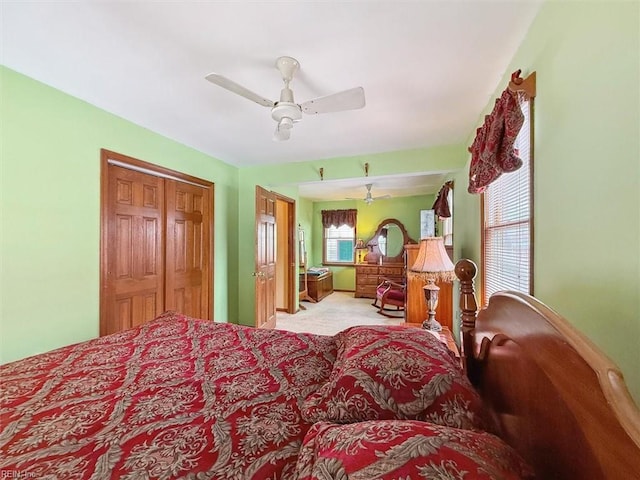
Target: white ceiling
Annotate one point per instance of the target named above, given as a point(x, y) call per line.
point(428, 69)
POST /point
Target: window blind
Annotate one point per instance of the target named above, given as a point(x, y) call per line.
point(507, 212)
point(339, 244)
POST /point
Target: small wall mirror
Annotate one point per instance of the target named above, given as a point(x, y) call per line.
point(302, 248)
point(388, 242)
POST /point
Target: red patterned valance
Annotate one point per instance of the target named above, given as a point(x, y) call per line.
point(338, 218)
point(492, 152)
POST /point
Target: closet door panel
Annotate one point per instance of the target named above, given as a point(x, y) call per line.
point(188, 243)
point(134, 288)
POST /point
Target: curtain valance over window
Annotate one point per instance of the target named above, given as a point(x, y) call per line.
point(441, 205)
point(338, 218)
point(492, 152)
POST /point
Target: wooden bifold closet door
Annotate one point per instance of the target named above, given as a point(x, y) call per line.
point(156, 246)
point(187, 255)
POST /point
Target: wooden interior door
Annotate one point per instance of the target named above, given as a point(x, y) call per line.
point(133, 277)
point(187, 249)
point(265, 255)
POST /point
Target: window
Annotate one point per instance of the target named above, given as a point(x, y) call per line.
point(507, 208)
point(339, 244)
point(338, 236)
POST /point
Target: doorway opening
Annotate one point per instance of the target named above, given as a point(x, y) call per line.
point(286, 280)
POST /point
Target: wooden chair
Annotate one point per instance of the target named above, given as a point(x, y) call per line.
point(390, 293)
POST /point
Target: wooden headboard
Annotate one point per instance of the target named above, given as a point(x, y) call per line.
point(552, 394)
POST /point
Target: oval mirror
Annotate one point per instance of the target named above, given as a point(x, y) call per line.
point(389, 240)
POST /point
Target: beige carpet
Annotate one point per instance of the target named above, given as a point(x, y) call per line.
point(334, 313)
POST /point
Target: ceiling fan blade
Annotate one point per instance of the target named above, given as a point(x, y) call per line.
point(232, 86)
point(347, 100)
point(382, 197)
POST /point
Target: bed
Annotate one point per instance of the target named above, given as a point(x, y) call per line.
point(188, 398)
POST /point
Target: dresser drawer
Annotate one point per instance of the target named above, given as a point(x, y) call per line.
point(367, 269)
point(391, 271)
point(369, 280)
point(365, 292)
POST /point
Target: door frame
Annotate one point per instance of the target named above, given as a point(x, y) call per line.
point(291, 283)
point(108, 157)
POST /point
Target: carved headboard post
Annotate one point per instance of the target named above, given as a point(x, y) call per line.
point(466, 273)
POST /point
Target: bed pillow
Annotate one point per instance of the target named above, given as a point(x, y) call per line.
point(393, 449)
point(394, 372)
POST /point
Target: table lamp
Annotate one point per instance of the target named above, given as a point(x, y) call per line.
point(432, 265)
point(361, 251)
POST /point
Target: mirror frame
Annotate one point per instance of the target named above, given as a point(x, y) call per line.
point(302, 248)
point(372, 243)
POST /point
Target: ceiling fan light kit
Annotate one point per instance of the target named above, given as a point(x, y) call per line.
point(282, 133)
point(285, 111)
point(285, 114)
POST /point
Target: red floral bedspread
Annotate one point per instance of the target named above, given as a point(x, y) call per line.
point(406, 450)
point(175, 398)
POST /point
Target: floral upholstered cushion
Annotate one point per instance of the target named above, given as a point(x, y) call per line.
point(405, 449)
point(393, 372)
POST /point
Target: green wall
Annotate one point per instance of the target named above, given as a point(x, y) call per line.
point(305, 221)
point(586, 172)
point(50, 230)
point(441, 159)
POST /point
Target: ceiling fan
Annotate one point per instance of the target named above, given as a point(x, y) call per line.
point(285, 111)
point(369, 198)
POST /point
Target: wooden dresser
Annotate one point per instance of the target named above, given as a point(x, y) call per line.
point(415, 309)
point(368, 277)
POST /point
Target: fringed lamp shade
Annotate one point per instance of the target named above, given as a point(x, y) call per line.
point(433, 262)
point(432, 265)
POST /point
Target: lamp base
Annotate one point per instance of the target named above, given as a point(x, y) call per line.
point(431, 291)
point(432, 324)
